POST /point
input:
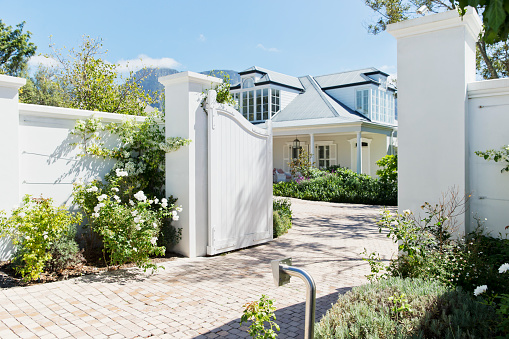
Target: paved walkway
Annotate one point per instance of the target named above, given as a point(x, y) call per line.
point(203, 297)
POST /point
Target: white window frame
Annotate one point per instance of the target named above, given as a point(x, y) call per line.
point(332, 153)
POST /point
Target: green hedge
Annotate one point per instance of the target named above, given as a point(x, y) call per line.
point(282, 216)
point(406, 308)
point(341, 185)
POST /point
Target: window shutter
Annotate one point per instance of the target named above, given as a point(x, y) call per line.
point(286, 157)
point(333, 152)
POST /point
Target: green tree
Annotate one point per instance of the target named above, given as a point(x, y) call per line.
point(15, 49)
point(492, 48)
point(95, 84)
point(44, 89)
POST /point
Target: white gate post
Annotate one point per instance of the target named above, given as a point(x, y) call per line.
point(186, 169)
point(436, 60)
point(9, 152)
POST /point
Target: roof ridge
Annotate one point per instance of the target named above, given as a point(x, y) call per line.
point(352, 71)
point(321, 94)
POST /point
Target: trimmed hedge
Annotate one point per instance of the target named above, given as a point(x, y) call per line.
point(407, 308)
point(341, 185)
point(282, 216)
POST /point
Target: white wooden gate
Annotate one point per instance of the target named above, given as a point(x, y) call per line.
point(239, 179)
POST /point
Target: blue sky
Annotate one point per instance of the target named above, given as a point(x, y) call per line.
point(292, 37)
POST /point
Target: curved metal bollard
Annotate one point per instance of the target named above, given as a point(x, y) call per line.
point(282, 270)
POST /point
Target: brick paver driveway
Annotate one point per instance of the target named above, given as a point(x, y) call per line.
point(203, 297)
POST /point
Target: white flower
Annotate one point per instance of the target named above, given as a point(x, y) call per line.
point(153, 241)
point(164, 200)
point(407, 212)
point(504, 268)
point(114, 189)
point(155, 225)
point(135, 249)
point(480, 290)
point(156, 201)
point(97, 208)
point(138, 227)
point(138, 220)
point(150, 202)
point(121, 173)
point(117, 198)
point(102, 197)
point(134, 213)
point(21, 214)
point(179, 209)
point(175, 217)
point(45, 236)
point(164, 204)
point(140, 196)
point(95, 215)
point(131, 202)
point(92, 189)
point(27, 237)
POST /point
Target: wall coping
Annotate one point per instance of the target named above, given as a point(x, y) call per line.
point(11, 82)
point(494, 87)
point(72, 113)
point(437, 22)
point(191, 77)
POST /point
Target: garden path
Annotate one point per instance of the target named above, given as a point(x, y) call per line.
point(203, 297)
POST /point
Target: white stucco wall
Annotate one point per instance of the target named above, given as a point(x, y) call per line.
point(488, 118)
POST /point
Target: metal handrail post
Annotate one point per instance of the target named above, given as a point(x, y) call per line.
point(310, 297)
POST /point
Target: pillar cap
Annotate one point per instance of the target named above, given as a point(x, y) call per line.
point(190, 77)
point(11, 82)
point(437, 22)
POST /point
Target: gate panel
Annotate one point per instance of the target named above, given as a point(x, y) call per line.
point(240, 180)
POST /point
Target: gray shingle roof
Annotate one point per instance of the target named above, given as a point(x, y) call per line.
point(316, 104)
point(275, 77)
point(345, 78)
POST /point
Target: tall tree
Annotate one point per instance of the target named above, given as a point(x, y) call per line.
point(492, 56)
point(43, 88)
point(15, 49)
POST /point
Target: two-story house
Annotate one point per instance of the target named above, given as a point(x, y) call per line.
point(328, 115)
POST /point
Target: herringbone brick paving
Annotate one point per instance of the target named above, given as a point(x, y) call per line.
point(203, 297)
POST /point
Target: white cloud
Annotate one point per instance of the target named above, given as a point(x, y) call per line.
point(146, 61)
point(37, 60)
point(202, 38)
point(272, 49)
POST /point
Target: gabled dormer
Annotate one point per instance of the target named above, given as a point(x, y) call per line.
point(262, 93)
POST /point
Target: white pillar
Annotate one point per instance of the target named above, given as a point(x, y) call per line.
point(9, 152)
point(359, 152)
point(312, 148)
point(186, 169)
point(436, 60)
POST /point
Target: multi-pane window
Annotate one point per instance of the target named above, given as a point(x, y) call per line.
point(362, 101)
point(323, 156)
point(382, 106)
point(259, 104)
point(275, 101)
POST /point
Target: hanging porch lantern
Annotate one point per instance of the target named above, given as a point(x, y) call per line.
point(296, 148)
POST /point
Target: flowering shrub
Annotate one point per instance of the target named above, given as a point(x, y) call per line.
point(140, 156)
point(260, 313)
point(33, 228)
point(129, 229)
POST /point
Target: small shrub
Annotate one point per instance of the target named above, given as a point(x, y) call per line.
point(260, 313)
point(33, 228)
point(65, 252)
point(406, 308)
point(282, 216)
point(388, 168)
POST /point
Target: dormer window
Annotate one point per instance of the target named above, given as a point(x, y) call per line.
point(248, 83)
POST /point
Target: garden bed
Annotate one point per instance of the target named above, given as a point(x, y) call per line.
point(9, 278)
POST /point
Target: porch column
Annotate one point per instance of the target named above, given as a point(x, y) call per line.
point(312, 148)
point(359, 152)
